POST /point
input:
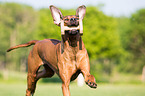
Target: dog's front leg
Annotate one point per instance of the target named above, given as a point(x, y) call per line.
point(85, 69)
point(65, 77)
point(65, 88)
point(65, 84)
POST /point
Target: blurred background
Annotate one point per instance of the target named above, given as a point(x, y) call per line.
point(114, 36)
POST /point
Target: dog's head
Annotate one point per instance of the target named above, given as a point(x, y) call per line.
point(71, 21)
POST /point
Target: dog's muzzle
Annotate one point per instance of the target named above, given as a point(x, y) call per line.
point(73, 22)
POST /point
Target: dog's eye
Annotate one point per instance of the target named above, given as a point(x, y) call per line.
point(66, 19)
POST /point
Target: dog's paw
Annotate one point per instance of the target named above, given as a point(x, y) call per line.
point(91, 82)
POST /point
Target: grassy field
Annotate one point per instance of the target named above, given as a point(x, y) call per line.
point(50, 89)
point(15, 85)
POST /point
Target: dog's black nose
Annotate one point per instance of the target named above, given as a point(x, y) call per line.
point(73, 22)
point(73, 19)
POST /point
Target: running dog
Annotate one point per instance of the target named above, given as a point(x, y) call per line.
point(67, 58)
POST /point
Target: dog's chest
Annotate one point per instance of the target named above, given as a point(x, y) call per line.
point(69, 57)
point(70, 54)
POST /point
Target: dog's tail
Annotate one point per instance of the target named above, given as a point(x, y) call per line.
point(23, 45)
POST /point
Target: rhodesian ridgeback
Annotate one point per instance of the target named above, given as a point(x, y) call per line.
point(67, 58)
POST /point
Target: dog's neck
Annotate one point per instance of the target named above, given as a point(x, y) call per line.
point(72, 43)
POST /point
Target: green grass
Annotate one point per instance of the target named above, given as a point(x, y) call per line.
point(54, 89)
point(14, 84)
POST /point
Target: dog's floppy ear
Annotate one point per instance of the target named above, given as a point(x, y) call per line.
point(56, 14)
point(81, 11)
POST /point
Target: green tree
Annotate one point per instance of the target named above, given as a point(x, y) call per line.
point(134, 42)
point(102, 41)
point(17, 24)
point(45, 26)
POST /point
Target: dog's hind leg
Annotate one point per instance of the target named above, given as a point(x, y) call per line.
point(31, 84)
point(34, 62)
point(46, 72)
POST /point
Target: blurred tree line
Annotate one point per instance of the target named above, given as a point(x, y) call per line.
point(113, 43)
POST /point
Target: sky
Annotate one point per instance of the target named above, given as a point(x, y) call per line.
point(111, 7)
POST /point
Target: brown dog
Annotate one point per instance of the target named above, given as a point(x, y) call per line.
point(67, 58)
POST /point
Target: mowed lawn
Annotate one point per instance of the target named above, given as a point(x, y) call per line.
point(50, 89)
